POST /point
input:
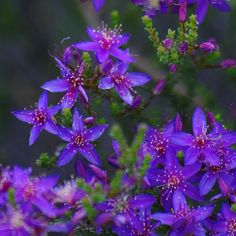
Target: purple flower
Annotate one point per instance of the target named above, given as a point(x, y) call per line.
point(226, 224)
point(106, 42)
point(199, 145)
point(33, 190)
point(184, 220)
point(41, 118)
point(183, 47)
point(144, 219)
point(123, 81)
point(174, 178)
point(71, 82)
point(79, 140)
point(168, 43)
point(98, 4)
point(172, 68)
point(122, 210)
point(202, 7)
point(208, 46)
point(156, 142)
point(160, 85)
point(228, 63)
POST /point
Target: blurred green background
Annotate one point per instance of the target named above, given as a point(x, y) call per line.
point(30, 31)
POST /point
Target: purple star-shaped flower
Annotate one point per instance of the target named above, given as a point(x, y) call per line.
point(106, 42)
point(199, 145)
point(33, 190)
point(123, 81)
point(98, 4)
point(202, 7)
point(226, 223)
point(144, 218)
point(71, 82)
point(41, 118)
point(122, 210)
point(79, 140)
point(184, 220)
point(157, 141)
point(174, 178)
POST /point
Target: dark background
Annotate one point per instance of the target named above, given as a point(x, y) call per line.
point(31, 30)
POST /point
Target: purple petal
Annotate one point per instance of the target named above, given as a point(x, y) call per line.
point(57, 85)
point(116, 147)
point(228, 139)
point(202, 213)
point(202, 7)
point(43, 101)
point(83, 94)
point(227, 212)
point(24, 115)
point(45, 206)
point(123, 39)
point(53, 110)
point(124, 93)
point(179, 202)
point(190, 170)
point(192, 192)
point(121, 55)
point(101, 174)
point(87, 46)
point(141, 201)
point(102, 55)
point(191, 156)
point(221, 5)
point(95, 132)
point(69, 99)
point(221, 227)
point(137, 79)
point(51, 127)
point(121, 68)
point(104, 218)
point(211, 157)
point(78, 124)
point(64, 70)
point(105, 83)
point(34, 133)
point(90, 154)
point(206, 184)
point(231, 160)
point(164, 218)
point(93, 34)
point(171, 159)
point(67, 154)
point(182, 139)
point(98, 4)
point(199, 122)
point(65, 134)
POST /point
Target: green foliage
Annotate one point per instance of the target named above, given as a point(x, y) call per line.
point(90, 211)
point(116, 182)
point(65, 118)
point(45, 161)
point(145, 166)
point(88, 64)
point(233, 207)
point(11, 196)
point(114, 18)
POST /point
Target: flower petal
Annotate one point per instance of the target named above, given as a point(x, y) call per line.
point(137, 79)
point(227, 212)
point(192, 192)
point(191, 156)
point(67, 154)
point(90, 154)
point(98, 4)
point(87, 46)
point(102, 55)
point(34, 133)
point(69, 98)
point(83, 94)
point(141, 201)
point(105, 83)
point(199, 122)
point(65, 134)
point(45, 206)
point(182, 139)
point(57, 85)
point(203, 212)
point(43, 101)
point(123, 39)
point(179, 202)
point(206, 183)
point(51, 127)
point(202, 7)
point(124, 93)
point(164, 218)
point(95, 132)
point(221, 5)
point(121, 55)
point(78, 124)
point(24, 115)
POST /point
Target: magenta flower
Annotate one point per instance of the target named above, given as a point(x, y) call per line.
point(174, 178)
point(199, 145)
point(185, 220)
point(71, 82)
point(41, 118)
point(123, 81)
point(106, 42)
point(98, 4)
point(79, 140)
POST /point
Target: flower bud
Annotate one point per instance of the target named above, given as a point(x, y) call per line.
point(172, 68)
point(89, 120)
point(228, 63)
point(167, 43)
point(160, 85)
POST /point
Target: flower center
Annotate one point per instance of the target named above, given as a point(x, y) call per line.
point(79, 140)
point(154, 3)
point(200, 142)
point(17, 220)
point(29, 191)
point(118, 79)
point(232, 226)
point(173, 181)
point(40, 117)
